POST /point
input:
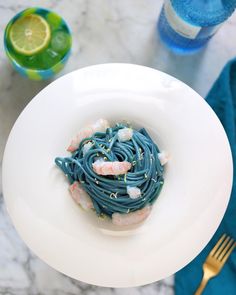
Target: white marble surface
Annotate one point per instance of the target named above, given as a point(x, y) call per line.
point(103, 31)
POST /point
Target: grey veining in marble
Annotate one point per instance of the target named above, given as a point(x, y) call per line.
point(103, 31)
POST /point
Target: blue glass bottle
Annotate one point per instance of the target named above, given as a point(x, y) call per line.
point(185, 26)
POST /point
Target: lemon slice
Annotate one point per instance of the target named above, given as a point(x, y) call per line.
point(30, 34)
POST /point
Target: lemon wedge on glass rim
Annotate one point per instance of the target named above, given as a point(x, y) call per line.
point(30, 34)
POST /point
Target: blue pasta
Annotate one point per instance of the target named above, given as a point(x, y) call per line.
point(109, 193)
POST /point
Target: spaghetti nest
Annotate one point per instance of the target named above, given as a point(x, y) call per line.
point(109, 193)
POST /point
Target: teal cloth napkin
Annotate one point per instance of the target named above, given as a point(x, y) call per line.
point(222, 99)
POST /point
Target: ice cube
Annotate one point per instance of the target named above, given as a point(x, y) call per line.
point(31, 61)
point(60, 42)
point(50, 57)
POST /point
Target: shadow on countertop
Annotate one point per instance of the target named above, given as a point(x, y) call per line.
point(183, 67)
point(18, 89)
point(15, 93)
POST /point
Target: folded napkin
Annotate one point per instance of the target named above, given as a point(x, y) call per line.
point(222, 99)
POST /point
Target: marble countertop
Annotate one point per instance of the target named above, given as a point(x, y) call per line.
point(103, 31)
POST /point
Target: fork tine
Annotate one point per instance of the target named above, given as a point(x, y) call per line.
point(221, 247)
point(228, 253)
point(217, 245)
point(224, 251)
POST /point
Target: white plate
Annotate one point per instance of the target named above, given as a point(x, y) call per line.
point(195, 195)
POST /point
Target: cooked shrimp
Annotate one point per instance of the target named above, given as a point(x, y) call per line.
point(87, 146)
point(111, 168)
point(80, 196)
point(125, 134)
point(131, 218)
point(163, 157)
point(100, 125)
point(133, 191)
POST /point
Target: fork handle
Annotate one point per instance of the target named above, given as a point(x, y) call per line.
point(202, 285)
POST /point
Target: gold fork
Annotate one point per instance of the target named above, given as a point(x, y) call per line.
point(216, 260)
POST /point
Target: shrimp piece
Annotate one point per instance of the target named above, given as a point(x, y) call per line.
point(132, 217)
point(100, 125)
point(111, 168)
point(163, 157)
point(125, 134)
point(80, 196)
point(134, 192)
point(87, 146)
